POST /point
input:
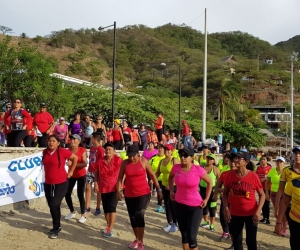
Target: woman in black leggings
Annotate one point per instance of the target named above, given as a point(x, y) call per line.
point(188, 202)
point(56, 179)
point(79, 176)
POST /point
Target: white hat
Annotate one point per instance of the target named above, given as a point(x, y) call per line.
point(280, 158)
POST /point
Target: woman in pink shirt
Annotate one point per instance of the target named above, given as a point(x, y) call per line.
point(188, 202)
point(150, 151)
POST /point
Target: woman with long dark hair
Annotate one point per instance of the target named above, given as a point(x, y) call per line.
point(56, 178)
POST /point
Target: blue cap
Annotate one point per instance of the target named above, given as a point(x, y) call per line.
point(234, 150)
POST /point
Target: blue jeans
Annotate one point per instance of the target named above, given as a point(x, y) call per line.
point(188, 142)
point(220, 148)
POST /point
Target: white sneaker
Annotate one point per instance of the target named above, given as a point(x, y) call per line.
point(82, 219)
point(70, 216)
point(167, 228)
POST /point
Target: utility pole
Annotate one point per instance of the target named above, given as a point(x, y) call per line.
point(204, 84)
point(294, 57)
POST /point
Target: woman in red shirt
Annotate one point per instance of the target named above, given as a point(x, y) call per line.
point(16, 120)
point(159, 126)
point(79, 176)
point(106, 177)
point(242, 184)
point(262, 172)
point(117, 135)
point(137, 192)
point(56, 179)
point(44, 122)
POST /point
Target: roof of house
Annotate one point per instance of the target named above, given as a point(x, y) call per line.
point(228, 59)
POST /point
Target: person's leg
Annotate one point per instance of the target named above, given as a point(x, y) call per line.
point(141, 207)
point(266, 210)
point(112, 202)
point(54, 195)
point(172, 207)
point(166, 195)
point(205, 209)
point(80, 193)
point(19, 137)
point(68, 196)
point(223, 221)
point(251, 233)
point(28, 141)
point(131, 204)
point(294, 235)
point(194, 219)
point(237, 224)
point(88, 190)
point(159, 201)
point(42, 140)
point(182, 218)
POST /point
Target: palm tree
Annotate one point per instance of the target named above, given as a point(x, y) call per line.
point(229, 100)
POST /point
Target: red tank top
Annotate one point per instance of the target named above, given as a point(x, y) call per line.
point(136, 180)
point(116, 134)
point(135, 136)
point(79, 172)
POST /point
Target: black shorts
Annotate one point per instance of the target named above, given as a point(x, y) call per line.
point(109, 202)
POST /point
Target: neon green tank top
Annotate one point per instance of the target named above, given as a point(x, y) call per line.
point(225, 168)
point(202, 161)
point(165, 170)
point(154, 162)
point(212, 176)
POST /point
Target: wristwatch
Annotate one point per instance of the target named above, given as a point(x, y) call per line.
point(159, 190)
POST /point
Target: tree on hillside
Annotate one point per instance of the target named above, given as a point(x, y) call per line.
point(228, 100)
point(25, 73)
point(5, 30)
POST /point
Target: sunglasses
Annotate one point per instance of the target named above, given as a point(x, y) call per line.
point(8, 107)
point(184, 155)
point(43, 107)
point(99, 119)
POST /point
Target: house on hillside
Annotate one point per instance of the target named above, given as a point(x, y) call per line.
point(273, 116)
point(249, 78)
point(276, 80)
point(268, 61)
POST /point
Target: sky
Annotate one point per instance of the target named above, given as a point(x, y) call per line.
point(269, 20)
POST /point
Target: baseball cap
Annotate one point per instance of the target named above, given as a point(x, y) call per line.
point(295, 149)
point(43, 104)
point(128, 143)
point(108, 144)
point(132, 150)
point(280, 158)
point(75, 136)
point(187, 151)
point(61, 119)
point(210, 155)
point(244, 155)
point(169, 147)
point(117, 121)
point(183, 121)
point(204, 146)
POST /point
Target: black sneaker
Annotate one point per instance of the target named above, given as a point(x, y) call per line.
point(231, 247)
point(51, 231)
point(54, 235)
point(263, 221)
point(268, 222)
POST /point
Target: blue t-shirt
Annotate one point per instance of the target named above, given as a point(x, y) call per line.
point(143, 134)
point(220, 138)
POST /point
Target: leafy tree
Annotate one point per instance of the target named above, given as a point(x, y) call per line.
point(239, 135)
point(229, 99)
point(5, 30)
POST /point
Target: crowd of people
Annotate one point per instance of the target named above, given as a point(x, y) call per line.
point(187, 186)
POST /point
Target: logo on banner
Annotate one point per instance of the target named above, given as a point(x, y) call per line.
point(36, 187)
point(6, 189)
